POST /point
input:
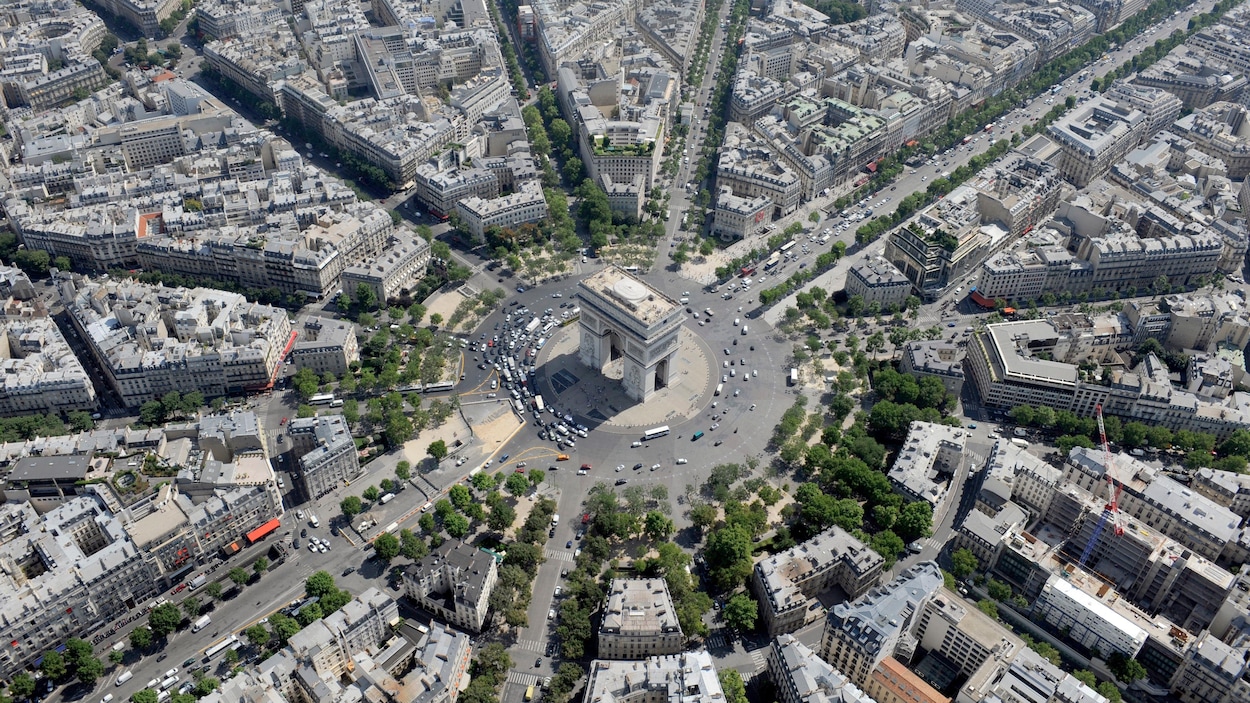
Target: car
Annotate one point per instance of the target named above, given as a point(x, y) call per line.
point(714, 425)
point(568, 544)
point(655, 467)
point(587, 467)
point(620, 468)
point(581, 472)
point(717, 443)
point(312, 547)
point(299, 514)
point(726, 351)
point(682, 461)
point(637, 466)
point(621, 481)
point(551, 533)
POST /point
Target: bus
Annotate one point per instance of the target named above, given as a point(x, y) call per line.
point(772, 261)
point(538, 403)
point(321, 399)
point(440, 386)
point(220, 647)
point(654, 433)
point(787, 246)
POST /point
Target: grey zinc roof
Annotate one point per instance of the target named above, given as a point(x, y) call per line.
point(50, 468)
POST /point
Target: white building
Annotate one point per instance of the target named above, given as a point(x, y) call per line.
point(1087, 620)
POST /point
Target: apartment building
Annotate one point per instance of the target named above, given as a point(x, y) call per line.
point(930, 452)
point(146, 15)
point(1213, 672)
point(1218, 130)
point(223, 19)
point(964, 636)
point(860, 634)
point(1176, 510)
point(1094, 136)
point(526, 204)
point(1230, 490)
point(326, 453)
point(739, 217)
point(672, 678)
point(401, 264)
point(1029, 678)
point(938, 359)
point(875, 280)
point(755, 172)
point(943, 243)
point(892, 682)
point(1160, 106)
point(639, 621)
point(786, 584)
point(454, 582)
point(802, 677)
point(150, 340)
point(328, 645)
point(1029, 362)
point(325, 345)
point(67, 572)
point(40, 372)
point(1086, 619)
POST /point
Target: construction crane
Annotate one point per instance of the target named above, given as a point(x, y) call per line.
point(1110, 512)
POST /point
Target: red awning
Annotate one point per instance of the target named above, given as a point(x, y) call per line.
point(260, 532)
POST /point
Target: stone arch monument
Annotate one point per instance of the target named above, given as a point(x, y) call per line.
point(624, 318)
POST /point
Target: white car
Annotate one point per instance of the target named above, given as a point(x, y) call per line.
point(682, 461)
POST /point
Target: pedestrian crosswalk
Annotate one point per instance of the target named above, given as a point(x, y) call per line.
point(558, 555)
point(531, 646)
point(760, 658)
point(717, 640)
point(523, 679)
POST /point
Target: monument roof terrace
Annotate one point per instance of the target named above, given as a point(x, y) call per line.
point(647, 305)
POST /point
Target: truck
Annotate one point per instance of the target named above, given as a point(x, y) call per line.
point(126, 676)
point(794, 377)
point(533, 325)
point(197, 582)
point(387, 498)
point(312, 520)
point(555, 520)
point(201, 623)
point(538, 403)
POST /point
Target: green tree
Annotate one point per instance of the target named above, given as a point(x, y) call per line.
point(257, 635)
point(403, 471)
point(1108, 690)
point(517, 484)
point(260, 566)
point(145, 695)
point(206, 685)
point(239, 576)
point(164, 619)
point(386, 547)
point(351, 506)
point(140, 639)
point(191, 606)
point(728, 552)
point(1086, 677)
point(22, 685)
point(915, 520)
point(731, 681)
point(988, 607)
point(963, 563)
point(371, 494)
point(34, 262)
point(456, 525)
point(214, 590)
point(657, 526)
point(116, 656)
point(741, 612)
point(998, 590)
point(89, 670)
point(412, 546)
point(319, 585)
point(703, 515)
point(53, 666)
point(501, 516)
point(365, 297)
point(437, 449)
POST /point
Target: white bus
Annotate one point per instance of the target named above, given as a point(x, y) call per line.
point(220, 647)
point(772, 261)
point(656, 432)
point(321, 399)
point(787, 246)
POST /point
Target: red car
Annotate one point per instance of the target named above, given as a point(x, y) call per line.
point(588, 467)
point(283, 421)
